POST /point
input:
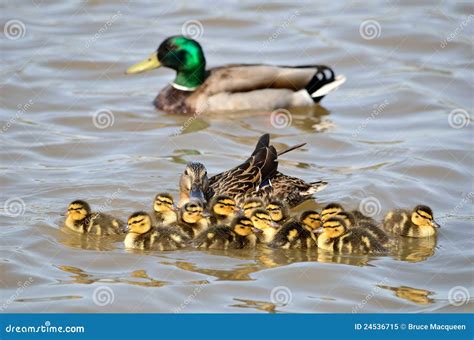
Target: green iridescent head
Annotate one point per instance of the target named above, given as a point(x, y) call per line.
point(184, 55)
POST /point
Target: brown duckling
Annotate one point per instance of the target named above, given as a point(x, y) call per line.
point(81, 219)
point(293, 235)
point(164, 209)
point(251, 204)
point(311, 220)
point(142, 235)
point(192, 219)
point(262, 220)
point(279, 211)
point(416, 223)
point(223, 209)
point(337, 237)
point(240, 234)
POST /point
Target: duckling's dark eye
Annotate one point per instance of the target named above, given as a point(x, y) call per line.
point(186, 172)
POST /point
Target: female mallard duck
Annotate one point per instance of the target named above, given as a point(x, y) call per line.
point(240, 234)
point(164, 209)
point(278, 210)
point(192, 219)
point(257, 177)
point(251, 204)
point(337, 237)
point(223, 209)
point(81, 219)
point(262, 220)
point(142, 235)
point(232, 87)
point(416, 223)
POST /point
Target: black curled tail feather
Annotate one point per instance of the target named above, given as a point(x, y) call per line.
point(324, 75)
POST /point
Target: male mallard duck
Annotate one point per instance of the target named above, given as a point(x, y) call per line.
point(251, 204)
point(142, 235)
point(416, 223)
point(81, 219)
point(256, 177)
point(278, 210)
point(223, 209)
point(293, 235)
point(192, 219)
point(232, 87)
point(164, 209)
point(240, 234)
point(337, 237)
point(262, 220)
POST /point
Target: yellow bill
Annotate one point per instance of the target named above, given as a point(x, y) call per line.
point(150, 63)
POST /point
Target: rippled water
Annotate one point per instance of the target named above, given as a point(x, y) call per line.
point(398, 133)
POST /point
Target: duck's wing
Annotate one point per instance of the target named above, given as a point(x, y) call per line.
point(293, 190)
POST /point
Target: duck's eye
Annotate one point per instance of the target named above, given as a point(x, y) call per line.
point(186, 172)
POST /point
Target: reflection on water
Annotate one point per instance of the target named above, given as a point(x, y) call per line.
point(419, 296)
point(258, 305)
point(415, 250)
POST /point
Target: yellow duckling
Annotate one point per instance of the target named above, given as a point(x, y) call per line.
point(330, 210)
point(81, 219)
point(240, 234)
point(262, 220)
point(251, 204)
point(142, 235)
point(416, 223)
point(164, 209)
point(223, 210)
point(192, 218)
point(298, 234)
point(278, 210)
point(311, 220)
point(337, 237)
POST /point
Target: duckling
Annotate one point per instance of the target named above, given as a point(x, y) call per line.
point(223, 210)
point(330, 210)
point(337, 237)
point(278, 210)
point(81, 219)
point(192, 218)
point(293, 235)
point(142, 235)
point(416, 223)
point(311, 220)
point(251, 204)
point(240, 234)
point(367, 225)
point(262, 220)
point(164, 209)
